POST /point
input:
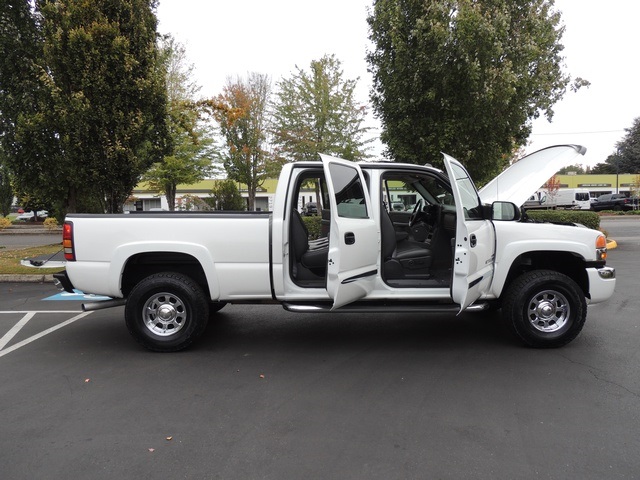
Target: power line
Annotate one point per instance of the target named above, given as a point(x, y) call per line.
point(577, 133)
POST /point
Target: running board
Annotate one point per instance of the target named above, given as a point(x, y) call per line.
point(382, 308)
point(114, 302)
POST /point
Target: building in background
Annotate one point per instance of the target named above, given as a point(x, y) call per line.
point(626, 183)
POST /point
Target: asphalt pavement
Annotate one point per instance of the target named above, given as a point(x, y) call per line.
point(275, 395)
point(23, 236)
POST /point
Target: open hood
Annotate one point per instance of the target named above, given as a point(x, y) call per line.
point(521, 180)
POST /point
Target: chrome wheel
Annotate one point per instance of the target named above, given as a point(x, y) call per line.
point(548, 311)
point(164, 314)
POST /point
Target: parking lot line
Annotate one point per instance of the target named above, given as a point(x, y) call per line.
point(38, 311)
point(23, 322)
point(15, 329)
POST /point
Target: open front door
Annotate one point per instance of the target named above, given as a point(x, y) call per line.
point(474, 252)
point(353, 236)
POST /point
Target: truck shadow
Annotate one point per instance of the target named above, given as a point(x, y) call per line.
point(271, 327)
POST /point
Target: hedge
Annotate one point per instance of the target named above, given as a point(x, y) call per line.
point(587, 218)
point(314, 226)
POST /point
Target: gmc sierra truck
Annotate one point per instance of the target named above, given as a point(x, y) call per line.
point(458, 249)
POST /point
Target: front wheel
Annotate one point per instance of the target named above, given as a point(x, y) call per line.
point(545, 308)
point(166, 312)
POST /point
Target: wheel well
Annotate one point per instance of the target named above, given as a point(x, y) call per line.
point(563, 262)
point(144, 264)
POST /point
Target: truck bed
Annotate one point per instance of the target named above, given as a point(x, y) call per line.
point(234, 251)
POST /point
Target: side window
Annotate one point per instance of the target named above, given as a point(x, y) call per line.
point(349, 192)
point(468, 193)
point(309, 192)
point(582, 197)
point(402, 190)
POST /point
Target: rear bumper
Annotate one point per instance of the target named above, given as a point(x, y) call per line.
point(602, 283)
point(62, 281)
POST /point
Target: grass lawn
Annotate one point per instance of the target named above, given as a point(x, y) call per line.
point(10, 260)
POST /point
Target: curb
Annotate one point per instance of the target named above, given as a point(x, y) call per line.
point(611, 244)
point(23, 278)
point(34, 231)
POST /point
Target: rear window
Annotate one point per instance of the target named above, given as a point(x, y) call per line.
point(582, 197)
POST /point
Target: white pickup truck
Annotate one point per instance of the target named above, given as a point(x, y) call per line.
point(459, 249)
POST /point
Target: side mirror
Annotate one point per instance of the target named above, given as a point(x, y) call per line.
point(505, 211)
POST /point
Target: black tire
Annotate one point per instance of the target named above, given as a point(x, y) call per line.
point(166, 312)
point(546, 309)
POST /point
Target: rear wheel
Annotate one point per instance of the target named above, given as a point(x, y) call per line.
point(166, 312)
point(545, 308)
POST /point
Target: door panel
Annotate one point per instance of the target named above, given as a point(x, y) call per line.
point(474, 252)
point(353, 237)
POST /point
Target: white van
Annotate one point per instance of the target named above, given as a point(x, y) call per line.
point(564, 198)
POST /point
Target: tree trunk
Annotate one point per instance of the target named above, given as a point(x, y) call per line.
point(318, 204)
point(252, 197)
point(170, 195)
point(71, 204)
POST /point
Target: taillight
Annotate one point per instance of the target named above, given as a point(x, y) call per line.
point(67, 242)
point(601, 247)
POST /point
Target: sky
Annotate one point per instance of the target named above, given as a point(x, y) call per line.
point(232, 38)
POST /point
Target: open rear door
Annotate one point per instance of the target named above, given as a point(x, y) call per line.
point(353, 236)
point(474, 252)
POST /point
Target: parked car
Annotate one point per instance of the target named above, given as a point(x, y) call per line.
point(310, 209)
point(612, 201)
point(28, 216)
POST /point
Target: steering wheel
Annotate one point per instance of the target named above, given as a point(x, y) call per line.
point(414, 215)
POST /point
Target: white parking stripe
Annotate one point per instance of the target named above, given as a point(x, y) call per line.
point(43, 333)
point(39, 311)
point(15, 329)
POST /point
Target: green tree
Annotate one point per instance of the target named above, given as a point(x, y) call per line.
point(226, 196)
point(21, 94)
point(577, 169)
point(626, 158)
point(316, 111)
point(604, 168)
point(464, 76)
point(82, 98)
point(188, 159)
point(243, 118)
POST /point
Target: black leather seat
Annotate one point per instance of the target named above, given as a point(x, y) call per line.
point(402, 257)
point(310, 264)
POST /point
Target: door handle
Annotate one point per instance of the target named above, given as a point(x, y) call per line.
point(349, 238)
point(472, 240)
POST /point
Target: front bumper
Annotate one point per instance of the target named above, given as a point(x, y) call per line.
point(602, 283)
